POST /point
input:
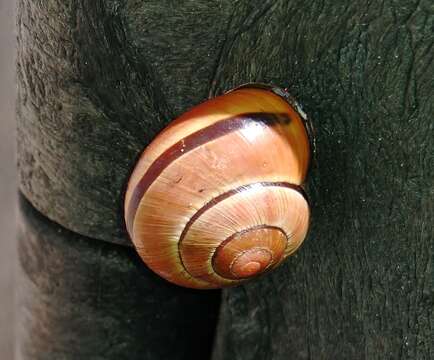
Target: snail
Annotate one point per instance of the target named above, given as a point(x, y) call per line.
point(216, 198)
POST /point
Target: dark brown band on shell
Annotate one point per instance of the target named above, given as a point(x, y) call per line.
point(228, 194)
point(190, 142)
point(232, 192)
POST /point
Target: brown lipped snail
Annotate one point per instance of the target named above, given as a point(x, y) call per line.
point(217, 197)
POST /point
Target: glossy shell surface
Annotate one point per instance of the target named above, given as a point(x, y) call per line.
point(215, 199)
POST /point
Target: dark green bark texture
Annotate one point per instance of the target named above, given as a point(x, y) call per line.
point(99, 78)
point(82, 299)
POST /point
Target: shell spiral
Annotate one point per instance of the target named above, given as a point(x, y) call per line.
point(216, 198)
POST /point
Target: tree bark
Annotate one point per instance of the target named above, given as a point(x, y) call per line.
point(98, 79)
point(93, 90)
point(81, 299)
point(362, 286)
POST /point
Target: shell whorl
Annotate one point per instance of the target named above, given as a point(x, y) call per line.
point(216, 199)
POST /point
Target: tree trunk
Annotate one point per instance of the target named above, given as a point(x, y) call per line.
point(98, 79)
point(89, 100)
point(362, 286)
point(82, 299)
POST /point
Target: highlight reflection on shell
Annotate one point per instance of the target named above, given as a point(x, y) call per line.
point(215, 199)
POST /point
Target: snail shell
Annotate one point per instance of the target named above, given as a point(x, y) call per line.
point(215, 199)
